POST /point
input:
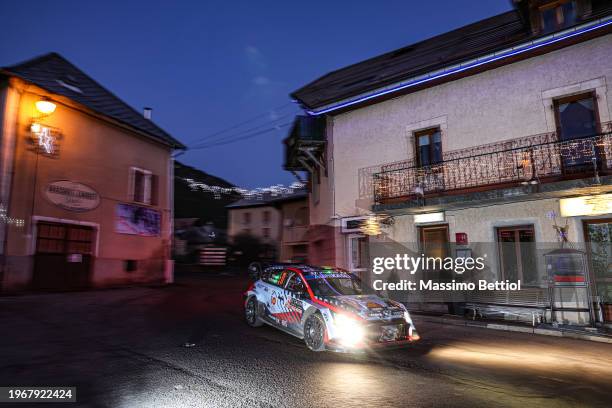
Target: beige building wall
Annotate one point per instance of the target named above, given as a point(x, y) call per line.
point(99, 154)
point(481, 223)
point(327, 245)
point(509, 102)
point(257, 225)
point(294, 229)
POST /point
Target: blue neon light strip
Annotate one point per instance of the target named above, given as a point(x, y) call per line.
point(409, 84)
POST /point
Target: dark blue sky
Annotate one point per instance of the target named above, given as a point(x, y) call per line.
point(205, 66)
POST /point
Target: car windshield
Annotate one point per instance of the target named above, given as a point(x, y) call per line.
point(334, 285)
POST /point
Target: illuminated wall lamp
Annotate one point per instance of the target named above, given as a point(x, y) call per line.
point(585, 206)
point(45, 106)
point(428, 218)
point(371, 226)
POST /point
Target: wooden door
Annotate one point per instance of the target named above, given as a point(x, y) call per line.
point(63, 257)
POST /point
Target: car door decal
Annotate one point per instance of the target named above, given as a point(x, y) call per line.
point(283, 307)
point(279, 300)
point(294, 305)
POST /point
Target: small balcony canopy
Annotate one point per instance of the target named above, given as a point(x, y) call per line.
point(305, 144)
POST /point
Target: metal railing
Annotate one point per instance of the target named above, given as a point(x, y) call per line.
point(530, 160)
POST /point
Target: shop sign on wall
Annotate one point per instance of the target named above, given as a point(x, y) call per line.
point(72, 196)
point(461, 238)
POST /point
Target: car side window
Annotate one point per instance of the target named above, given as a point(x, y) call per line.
point(282, 282)
point(275, 277)
point(295, 284)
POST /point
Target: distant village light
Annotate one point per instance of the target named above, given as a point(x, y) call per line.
point(45, 106)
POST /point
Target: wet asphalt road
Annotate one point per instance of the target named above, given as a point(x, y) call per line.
point(123, 348)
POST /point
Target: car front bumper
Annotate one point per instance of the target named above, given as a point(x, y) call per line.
point(379, 334)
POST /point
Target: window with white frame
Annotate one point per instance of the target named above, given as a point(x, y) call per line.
point(142, 186)
point(518, 254)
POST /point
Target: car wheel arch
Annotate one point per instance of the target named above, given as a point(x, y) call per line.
point(315, 310)
point(260, 303)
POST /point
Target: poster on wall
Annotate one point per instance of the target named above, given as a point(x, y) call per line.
point(136, 220)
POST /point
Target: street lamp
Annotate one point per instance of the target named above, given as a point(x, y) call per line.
point(371, 226)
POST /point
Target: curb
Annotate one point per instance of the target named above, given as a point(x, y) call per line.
point(514, 328)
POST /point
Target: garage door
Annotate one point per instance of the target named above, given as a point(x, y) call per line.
point(63, 256)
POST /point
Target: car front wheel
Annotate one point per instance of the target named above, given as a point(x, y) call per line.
point(314, 333)
point(251, 312)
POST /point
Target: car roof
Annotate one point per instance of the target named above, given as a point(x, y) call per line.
point(317, 273)
point(305, 269)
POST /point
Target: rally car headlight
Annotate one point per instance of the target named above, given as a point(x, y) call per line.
point(349, 331)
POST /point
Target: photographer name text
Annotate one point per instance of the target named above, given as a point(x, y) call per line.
point(405, 285)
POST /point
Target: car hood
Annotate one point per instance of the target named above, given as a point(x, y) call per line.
point(369, 307)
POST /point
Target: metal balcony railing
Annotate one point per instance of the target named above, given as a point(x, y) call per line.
point(531, 160)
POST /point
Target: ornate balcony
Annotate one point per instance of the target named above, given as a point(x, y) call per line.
point(532, 160)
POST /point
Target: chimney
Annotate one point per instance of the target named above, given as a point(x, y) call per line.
point(147, 113)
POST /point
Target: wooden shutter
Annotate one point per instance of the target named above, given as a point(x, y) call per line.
point(154, 189)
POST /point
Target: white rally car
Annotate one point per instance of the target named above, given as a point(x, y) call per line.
point(325, 307)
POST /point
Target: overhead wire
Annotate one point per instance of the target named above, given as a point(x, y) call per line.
point(238, 125)
point(243, 137)
point(272, 123)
